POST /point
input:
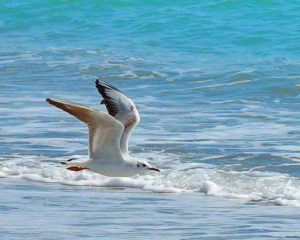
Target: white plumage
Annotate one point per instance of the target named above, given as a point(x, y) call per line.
point(108, 134)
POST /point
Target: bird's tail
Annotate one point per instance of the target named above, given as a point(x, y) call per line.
point(68, 162)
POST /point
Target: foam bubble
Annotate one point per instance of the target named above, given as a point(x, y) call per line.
point(276, 188)
point(209, 188)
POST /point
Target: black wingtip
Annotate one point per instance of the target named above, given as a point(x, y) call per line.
point(49, 100)
point(101, 85)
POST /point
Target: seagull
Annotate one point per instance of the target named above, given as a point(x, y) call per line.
point(108, 134)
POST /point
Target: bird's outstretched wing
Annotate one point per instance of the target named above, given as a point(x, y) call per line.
point(104, 131)
point(121, 108)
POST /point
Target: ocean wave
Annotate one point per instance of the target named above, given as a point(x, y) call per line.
point(269, 187)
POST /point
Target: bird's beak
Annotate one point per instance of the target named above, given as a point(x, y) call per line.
point(154, 169)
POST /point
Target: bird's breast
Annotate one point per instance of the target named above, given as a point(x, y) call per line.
point(113, 169)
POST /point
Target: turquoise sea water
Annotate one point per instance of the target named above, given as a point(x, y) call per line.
point(217, 84)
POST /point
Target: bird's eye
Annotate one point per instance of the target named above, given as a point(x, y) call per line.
point(138, 165)
point(144, 165)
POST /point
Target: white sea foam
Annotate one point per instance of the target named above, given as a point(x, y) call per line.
point(276, 188)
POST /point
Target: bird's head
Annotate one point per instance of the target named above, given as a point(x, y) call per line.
point(144, 166)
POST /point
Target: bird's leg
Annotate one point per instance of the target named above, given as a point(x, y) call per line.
point(76, 169)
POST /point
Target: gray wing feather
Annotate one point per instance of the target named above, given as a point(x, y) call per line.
point(104, 131)
point(121, 108)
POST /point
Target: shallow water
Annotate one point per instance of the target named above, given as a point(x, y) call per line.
point(217, 86)
point(58, 211)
